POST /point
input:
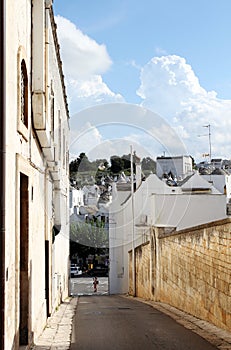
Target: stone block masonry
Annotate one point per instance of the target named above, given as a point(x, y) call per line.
point(142, 265)
point(192, 270)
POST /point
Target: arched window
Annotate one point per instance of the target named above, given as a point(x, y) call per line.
point(24, 94)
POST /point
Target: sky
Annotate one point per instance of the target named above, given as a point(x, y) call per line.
point(152, 75)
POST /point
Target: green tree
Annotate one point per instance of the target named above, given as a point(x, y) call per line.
point(148, 164)
point(74, 165)
point(92, 234)
point(81, 163)
point(194, 166)
point(117, 164)
point(88, 238)
point(101, 163)
point(127, 164)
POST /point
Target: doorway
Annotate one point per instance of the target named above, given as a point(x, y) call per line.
point(24, 252)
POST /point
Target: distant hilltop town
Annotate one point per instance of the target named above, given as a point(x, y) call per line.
point(91, 183)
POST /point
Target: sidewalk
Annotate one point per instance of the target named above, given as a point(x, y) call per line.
point(57, 333)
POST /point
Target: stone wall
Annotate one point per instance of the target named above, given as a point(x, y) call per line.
point(142, 264)
point(192, 271)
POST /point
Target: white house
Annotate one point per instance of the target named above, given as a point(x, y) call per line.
point(217, 163)
point(155, 203)
point(35, 239)
point(91, 194)
point(178, 166)
point(197, 203)
point(76, 200)
point(221, 180)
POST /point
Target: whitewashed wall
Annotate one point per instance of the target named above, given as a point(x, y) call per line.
point(76, 200)
point(155, 203)
point(185, 210)
point(220, 182)
point(179, 166)
point(24, 154)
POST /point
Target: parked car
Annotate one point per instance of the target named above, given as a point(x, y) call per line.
point(75, 271)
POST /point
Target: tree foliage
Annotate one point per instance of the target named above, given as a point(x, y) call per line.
point(100, 167)
point(74, 165)
point(148, 164)
point(92, 234)
point(117, 164)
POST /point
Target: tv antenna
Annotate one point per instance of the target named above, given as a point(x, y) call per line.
point(209, 136)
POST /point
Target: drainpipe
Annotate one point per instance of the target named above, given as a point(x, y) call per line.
point(2, 172)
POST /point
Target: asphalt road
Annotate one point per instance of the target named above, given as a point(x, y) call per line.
point(119, 323)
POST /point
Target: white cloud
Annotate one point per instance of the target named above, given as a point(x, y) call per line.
point(167, 82)
point(86, 93)
point(133, 64)
point(113, 127)
point(159, 51)
point(109, 148)
point(170, 88)
point(84, 60)
point(82, 56)
point(84, 139)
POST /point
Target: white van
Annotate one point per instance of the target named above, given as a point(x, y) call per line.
point(75, 270)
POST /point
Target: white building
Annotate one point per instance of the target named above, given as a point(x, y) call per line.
point(221, 181)
point(76, 200)
point(91, 194)
point(217, 163)
point(156, 204)
point(178, 166)
point(35, 240)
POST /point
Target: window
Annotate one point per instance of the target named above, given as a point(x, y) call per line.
point(24, 94)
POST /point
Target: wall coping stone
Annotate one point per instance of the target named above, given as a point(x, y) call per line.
point(171, 231)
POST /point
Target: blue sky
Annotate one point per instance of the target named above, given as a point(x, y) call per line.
point(172, 58)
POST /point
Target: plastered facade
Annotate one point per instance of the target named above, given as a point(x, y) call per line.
point(37, 179)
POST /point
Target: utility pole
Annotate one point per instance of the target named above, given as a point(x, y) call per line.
point(210, 148)
point(133, 229)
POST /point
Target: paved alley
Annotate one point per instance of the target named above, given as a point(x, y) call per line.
point(121, 322)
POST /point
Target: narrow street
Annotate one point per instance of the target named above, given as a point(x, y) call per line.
point(120, 323)
point(84, 286)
